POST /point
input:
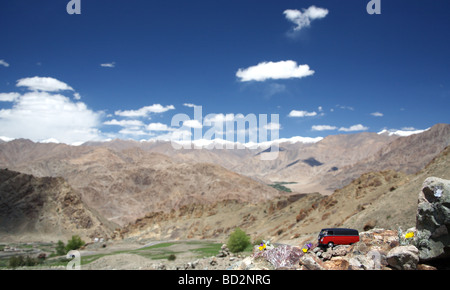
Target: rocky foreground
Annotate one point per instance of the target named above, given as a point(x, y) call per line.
point(424, 247)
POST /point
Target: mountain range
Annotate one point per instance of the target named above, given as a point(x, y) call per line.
point(128, 185)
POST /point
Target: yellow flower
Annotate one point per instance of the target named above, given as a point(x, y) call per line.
point(409, 235)
point(304, 250)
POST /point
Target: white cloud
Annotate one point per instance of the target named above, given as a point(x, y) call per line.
point(45, 116)
point(345, 107)
point(303, 19)
point(274, 70)
point(174, 135)
point(9, 97)
point(4, 63)
point(110, 64)
point(145, 111)
point(272, 126)
point(377, 114)
point(193, 124)
point(77, 96)
point(46, 84)
point(354, 128)
point(301, 114)
point(218, 118)
point(134, 132)
point(124, 123)
point(404, 132)
point(189, 105)
point(323, 128)
point(158, 127)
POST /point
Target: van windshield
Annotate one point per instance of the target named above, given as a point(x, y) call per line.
point(323, 233)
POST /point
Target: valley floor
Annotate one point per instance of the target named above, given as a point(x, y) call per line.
point(129, 255)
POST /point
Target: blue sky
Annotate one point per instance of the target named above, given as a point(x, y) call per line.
point(123, 69)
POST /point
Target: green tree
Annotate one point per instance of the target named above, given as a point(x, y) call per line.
point(74, 244)
point(60, 248)
point(238, 241)
point(16, 261)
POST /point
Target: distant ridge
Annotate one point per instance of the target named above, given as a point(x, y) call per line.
point(124, 180)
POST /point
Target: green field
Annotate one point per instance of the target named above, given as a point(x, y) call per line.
point(161, 251)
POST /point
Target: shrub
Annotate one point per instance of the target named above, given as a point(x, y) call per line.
point(74, 244)
point(238, 241)
point(20, 261)
point(172, 257)
point(16, 261)
point(60, 249)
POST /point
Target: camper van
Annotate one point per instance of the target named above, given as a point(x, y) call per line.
point(338, 236)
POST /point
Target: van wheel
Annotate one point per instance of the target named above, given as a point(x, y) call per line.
point(330, 245)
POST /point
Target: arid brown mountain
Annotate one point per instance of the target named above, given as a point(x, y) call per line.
point(45, 209)
point(124, 185)
point(126, 180)
point(385, 199)
point(317, 167)
point(406, 154)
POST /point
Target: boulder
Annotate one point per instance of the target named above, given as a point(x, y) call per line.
point(311, 262)
point(337, 263)
point(403, 257)
point(282, 256)
point(372, 260)
point(433, 219)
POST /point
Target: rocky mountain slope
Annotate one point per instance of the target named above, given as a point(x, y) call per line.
point(315, 167)
point(178, 195)
point(386, 199)
point(125, 185)
point(45, 209)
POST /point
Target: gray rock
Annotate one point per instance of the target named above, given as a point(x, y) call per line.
point(403, 257)
point(433, 219)
point(328, 254)
point(311, 262)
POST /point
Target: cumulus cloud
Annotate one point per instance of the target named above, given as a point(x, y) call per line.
point(304, 19)
point(77, 96)
point(274, 70)
point(354, 128)
point(9, 97)
point(44, 116)
point(125, 123)
point(193, 124)
point(4, 63)
point(218, 118)
point(377, 114)
point(323, 128)
point(45, 84)
point(158, 127)
point(189, 105)
point(145, 111)
point(272, 126)
point(301, 114)
point(134, 132)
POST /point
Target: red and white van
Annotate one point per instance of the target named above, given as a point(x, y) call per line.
point(338, 236)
